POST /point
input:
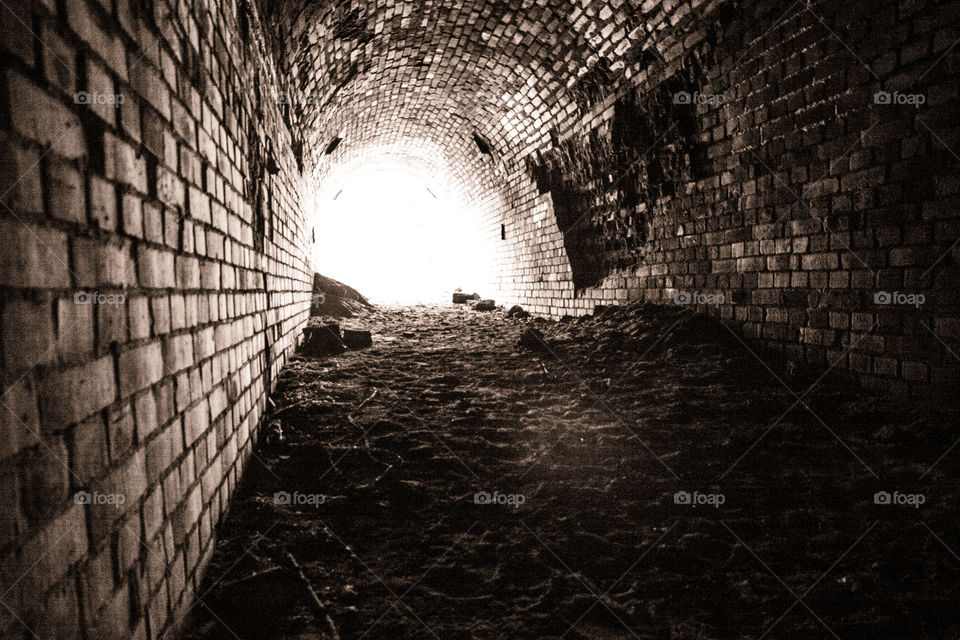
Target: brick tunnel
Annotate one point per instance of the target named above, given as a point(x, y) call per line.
point(715, 394)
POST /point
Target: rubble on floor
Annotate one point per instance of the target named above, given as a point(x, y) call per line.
point(322, 340)
point(533, 340)
point(332, 298)
point(357, 338)
point(485, 305)
point(327, 338)
point(514, 495)
point(516, 311)
point(463, 298)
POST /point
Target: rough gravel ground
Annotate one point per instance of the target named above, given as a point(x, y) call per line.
point(586, 447)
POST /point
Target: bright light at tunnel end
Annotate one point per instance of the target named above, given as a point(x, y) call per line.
point(398, 238)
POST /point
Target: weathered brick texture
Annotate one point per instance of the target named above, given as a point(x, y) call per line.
point(616, 151)
point(769, 161)
point(133, 302)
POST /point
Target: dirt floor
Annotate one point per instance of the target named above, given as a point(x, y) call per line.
point(648, 477)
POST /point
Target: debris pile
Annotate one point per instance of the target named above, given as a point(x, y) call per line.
point(474, 300)
point(322, 340)
point(335, 299)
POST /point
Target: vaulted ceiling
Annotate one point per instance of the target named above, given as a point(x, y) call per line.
point(461, 87)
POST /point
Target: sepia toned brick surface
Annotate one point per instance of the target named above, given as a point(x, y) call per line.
point(133, 303)
point(770, 163)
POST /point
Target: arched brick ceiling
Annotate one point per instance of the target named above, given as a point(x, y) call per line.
point(429, 75)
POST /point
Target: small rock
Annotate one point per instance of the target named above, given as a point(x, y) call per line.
point(533, 340)
point(322, 340)
point(461, 298)
point(516, 311)
point(485, 305)
point(356, 338)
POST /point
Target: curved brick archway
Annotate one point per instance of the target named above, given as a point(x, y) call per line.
point(770, 162)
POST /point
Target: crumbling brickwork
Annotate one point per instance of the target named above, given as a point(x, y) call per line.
point(152, 282)
point(788, 167)
point(773, 160)
point(646, 149)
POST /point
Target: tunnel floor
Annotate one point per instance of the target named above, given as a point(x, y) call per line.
point(650, 477)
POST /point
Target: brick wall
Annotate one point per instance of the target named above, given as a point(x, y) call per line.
point(792, 207)
point(795, 200)
point(156, 154)
point(152, 282)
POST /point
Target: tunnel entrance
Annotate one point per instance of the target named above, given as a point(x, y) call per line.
point(398, 237)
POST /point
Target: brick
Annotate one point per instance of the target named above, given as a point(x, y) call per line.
point(145, 409)
point(178, 318)
point(72, 394)
point(187, 514)
point(89, 450)
point(127, 545)
point(113, 621)
point(36, 115)
point(130, 117)
point(140, 367)
point(103, 265)
point(163, 450)
point(153, 222)
point(66, 192)
point(46, 558)
point(11, 520)
point(124, 164)
point(28, 334)
point(171, 227)
point(199, 205)
point(153, 518)
point(15, 37)
point(89, 23)
point(32, 256)
point(20, 185)
point(156, 268)
point(188, 272)
point(160, 308)
point(46, 481)
point(127, 479)
point(151, 87)
point(196, 422)
point(59, 65)
point(138, 318)
point(100, 95)
point(209, 275)
point(177, 353)
point(111, 324)
point(75, 335)
point(103, 203)
point(60, 616)
point(98, 576)
point(170, 188)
